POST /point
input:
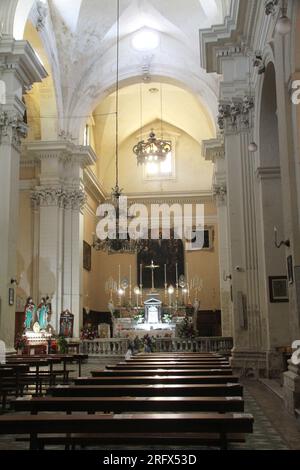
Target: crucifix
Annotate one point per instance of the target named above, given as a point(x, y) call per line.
point(152, 266)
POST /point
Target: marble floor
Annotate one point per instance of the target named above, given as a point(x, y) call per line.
point(274, 428)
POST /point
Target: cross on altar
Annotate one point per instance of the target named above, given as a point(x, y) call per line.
point(152, 266)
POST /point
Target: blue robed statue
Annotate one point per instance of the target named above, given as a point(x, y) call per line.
point(29, 314)
point(42, 313)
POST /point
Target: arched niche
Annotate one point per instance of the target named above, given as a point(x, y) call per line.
point(272, 261)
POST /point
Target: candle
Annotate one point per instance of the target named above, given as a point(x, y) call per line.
point(119, 275)
point(141, 274)
point(165, 274)
point(187, 273)
point(130, 275)
point(176, 273)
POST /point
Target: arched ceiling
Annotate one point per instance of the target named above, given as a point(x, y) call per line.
point(85, 33)
point(141, 105)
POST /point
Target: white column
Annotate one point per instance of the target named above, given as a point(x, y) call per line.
point(214, 151)
point(19, 69)
point(60, 198)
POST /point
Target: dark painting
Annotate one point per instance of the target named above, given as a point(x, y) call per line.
point(162, 252)
point(87, 256)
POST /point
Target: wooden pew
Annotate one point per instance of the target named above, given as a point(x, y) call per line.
point(175, 390)
point(121, 427)
point(165, 372)
point(123, 404)
point(135, 380)
point(165, 365)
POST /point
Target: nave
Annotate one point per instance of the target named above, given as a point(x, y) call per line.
point(210, 393)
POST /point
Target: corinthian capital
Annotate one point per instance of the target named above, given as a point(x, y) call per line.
point(235, 116)
point(220, 192)
point(12, 128)
point(50, 196)
point(75, 199)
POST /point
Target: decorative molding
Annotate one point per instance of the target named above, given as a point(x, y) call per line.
point(19, 58)
point(42, 12)
point(93, 186)
point(271, 7)
point(213, 149)
point(172, 198)
point(220, 192)
point(235, 116)
point(13, 128)
point(74, 199)
point(271, 172)
point(259, 63)
point(64, 150)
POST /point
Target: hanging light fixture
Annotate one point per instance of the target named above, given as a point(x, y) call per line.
point(252, 147)
point(122, 243)
point(283, 25)
point(153, 150)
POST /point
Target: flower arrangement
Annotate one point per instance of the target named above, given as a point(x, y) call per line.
point(88, 332)
point(167, 317)
point(21, 342)
point(186, 329)
point(139, 317)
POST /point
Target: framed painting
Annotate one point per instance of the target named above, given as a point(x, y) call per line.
point(278, 286)
point(200, 239)
point(87, 256)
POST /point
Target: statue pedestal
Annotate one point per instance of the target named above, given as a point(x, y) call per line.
point(291, 386)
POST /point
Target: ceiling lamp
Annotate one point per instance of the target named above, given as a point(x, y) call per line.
point(283, 25)
point(153, 150)
point(122, 243)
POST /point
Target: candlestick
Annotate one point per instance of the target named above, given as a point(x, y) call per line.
point(165, 266)
point(130, 285)
point(141, 274)
point(176, 274)
point(119, 276)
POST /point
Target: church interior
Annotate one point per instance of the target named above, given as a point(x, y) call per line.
point(150, 224)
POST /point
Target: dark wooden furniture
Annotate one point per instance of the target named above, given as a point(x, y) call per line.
point(221, 390)
point(123, 404)
point(144, 379)
point(181, 372)
point(140, 426)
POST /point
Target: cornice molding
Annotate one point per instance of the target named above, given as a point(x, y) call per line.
point(65, 151)
point(213, 149)
point(172, 198)
point(19, 57)
point(271, 172)
point(93, 186)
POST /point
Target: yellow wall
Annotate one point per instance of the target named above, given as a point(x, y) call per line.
point(204, 264)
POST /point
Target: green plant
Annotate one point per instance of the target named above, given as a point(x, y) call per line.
point(62, 344)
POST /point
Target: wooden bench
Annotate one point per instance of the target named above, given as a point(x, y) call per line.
point(123, 404)
point(121, 427)
point(165, 372)
point(175, 390)
point(162, 366)
point(171, 379)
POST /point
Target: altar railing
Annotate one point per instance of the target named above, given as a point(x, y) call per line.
point(118, 346)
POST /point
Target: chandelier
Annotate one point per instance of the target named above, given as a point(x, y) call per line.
point(121, 242)
point(153, 150)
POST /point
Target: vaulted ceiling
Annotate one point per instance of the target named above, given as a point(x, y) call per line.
point(85, 32)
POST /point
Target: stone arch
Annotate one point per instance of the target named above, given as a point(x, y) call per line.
point(83, 108)
point(269, 198)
